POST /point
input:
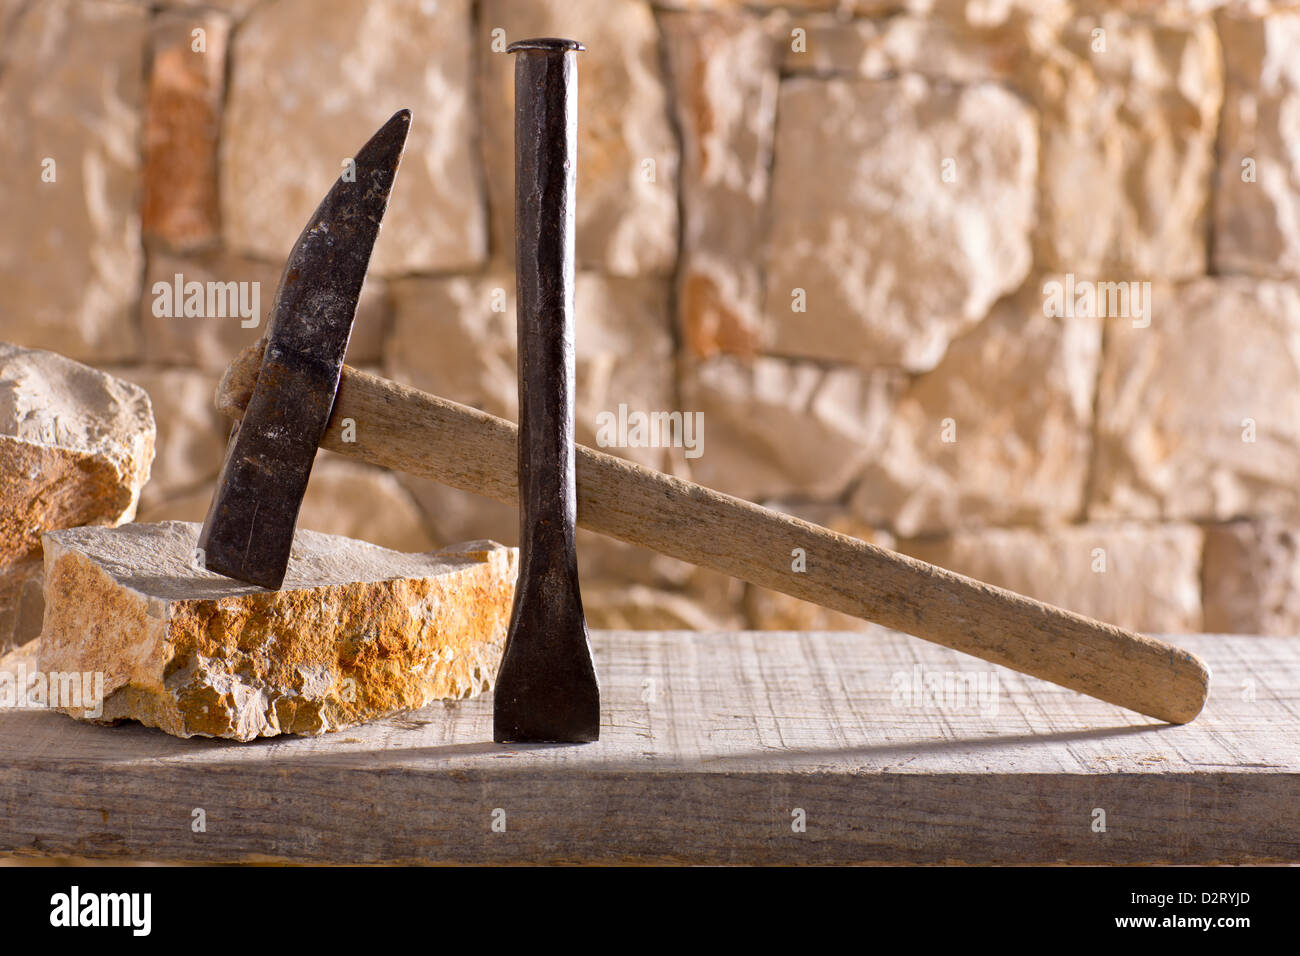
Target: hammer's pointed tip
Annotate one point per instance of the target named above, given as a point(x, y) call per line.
point(386, 146)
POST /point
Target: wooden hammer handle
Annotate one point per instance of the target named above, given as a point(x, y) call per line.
point(403, 428)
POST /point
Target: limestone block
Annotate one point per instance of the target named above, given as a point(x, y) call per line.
point(187, 83)
point(22, 605)
point(1250, 576)
point(72, 92)
point(357, 631)
point(311, 81)
point(724, 75)
point(1257, 202)
point(901, 211)
point(75, 448)
point(998, 432)
point(1198, 412)
point(1142, 577)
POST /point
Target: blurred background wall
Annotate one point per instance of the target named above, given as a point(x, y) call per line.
point(835, 229)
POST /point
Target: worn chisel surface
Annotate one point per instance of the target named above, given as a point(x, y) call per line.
point(547, 689)
point(249, 529)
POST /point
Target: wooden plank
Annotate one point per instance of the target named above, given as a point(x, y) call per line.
point(711, 744)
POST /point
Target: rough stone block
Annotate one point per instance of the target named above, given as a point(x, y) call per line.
point(187, 84)
point(1257, 204)
point(1142, 577)
point(357, 631)
point(311, 81)
point(1250, 578)
point(998, 433)
point(901, 211)
point(1198, 412)
point(75, 448)
point(72, 92)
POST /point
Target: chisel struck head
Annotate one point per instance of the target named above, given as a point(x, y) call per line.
point(248, 532)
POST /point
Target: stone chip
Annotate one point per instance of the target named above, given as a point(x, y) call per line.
point(357, 631)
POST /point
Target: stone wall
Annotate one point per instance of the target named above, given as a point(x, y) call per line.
point(859, 237)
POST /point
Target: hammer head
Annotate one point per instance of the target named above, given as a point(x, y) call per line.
point(249, 529)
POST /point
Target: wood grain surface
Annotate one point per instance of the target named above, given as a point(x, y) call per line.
point(710, 745)
point(403, 428)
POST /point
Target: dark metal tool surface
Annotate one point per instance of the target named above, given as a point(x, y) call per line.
point(547, 690)
point(248, 532)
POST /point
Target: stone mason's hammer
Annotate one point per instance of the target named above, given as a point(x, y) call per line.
point(403, 428)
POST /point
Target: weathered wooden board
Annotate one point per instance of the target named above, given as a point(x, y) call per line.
point(714, 747)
